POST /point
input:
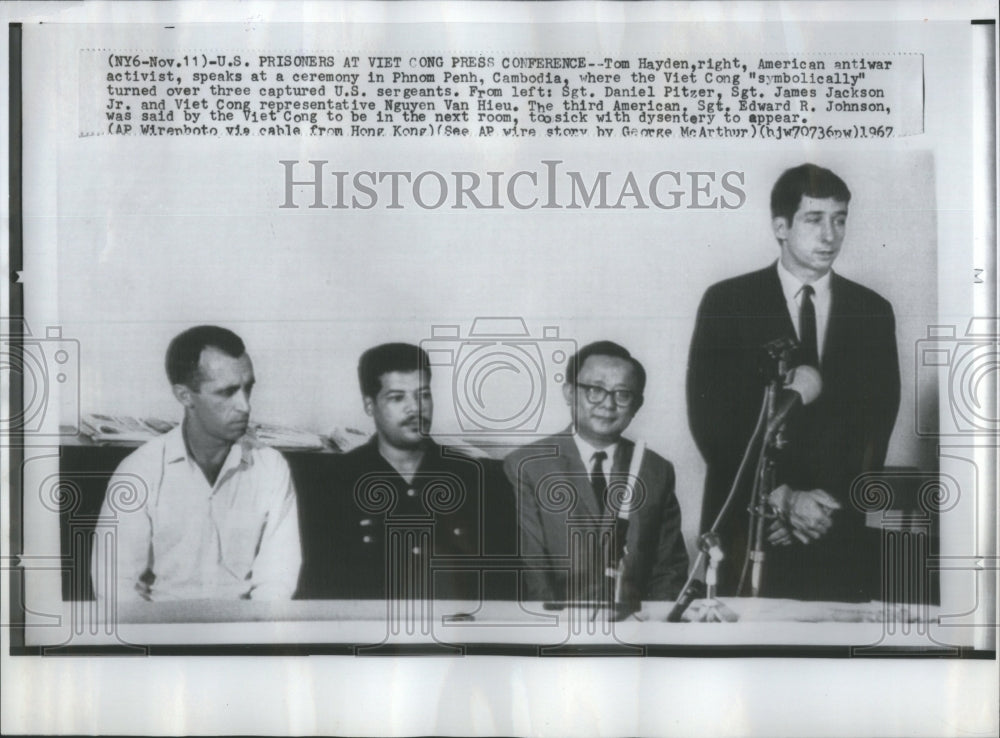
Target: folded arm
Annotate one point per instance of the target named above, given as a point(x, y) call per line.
point(122, 552)
point(279, 558)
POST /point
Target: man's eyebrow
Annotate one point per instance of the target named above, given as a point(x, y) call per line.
point(236, 385)
point(824, 212)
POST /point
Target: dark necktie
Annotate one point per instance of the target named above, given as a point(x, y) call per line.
point(597, 479)
point(807, 328)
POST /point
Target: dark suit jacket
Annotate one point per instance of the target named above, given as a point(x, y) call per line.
point(830, 442)
point(553, 491)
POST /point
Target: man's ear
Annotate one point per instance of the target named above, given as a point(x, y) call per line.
point(183, 394)
point(780, 227)
point(369, 403)
point(568, 391)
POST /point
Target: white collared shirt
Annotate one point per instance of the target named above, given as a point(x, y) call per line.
point(587, 452)
point(162, 521)
point(791, 287)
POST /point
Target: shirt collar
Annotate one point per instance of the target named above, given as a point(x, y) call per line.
point(173, 440)
point(587, 450)
point(176, 450)
point(375, 459)
point(791, 285)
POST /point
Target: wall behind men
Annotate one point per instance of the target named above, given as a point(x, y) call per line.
point(145, 252)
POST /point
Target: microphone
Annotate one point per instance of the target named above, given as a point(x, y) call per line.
point(711, 544)
point(694, 591)
point(803, 388)
point(774, 356)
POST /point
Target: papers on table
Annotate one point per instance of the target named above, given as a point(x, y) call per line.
point(129, 430)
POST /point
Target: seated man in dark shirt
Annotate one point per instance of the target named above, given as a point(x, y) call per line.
point(405, 517)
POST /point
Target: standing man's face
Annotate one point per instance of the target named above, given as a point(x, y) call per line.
point(602, 423)
point(811, 242)
point(220, 407)
point(402, 409)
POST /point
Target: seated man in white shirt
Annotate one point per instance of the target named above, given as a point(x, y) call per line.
point(214, 513)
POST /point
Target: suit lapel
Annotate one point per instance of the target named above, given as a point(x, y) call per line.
point(620, 468)
point(574, 470)
point(833, 343)
point(623, 457)
point(638, 514)
point(775, 305)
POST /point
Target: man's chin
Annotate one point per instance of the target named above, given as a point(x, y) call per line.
point(413, 440)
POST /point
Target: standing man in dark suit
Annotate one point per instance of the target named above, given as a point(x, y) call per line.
point(568, 480)
point(818, 546)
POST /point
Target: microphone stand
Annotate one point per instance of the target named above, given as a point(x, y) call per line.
point(764, 481)
point(713, 611)
point(760, 509)
point(709, 545)
point(779, 352)
point(619, 603)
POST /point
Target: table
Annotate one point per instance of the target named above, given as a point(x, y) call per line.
point(358, 626)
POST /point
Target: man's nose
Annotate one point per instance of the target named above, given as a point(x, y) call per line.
point(826, 231)
point(243, 401)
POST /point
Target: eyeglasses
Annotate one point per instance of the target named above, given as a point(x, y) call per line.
point(596, 395)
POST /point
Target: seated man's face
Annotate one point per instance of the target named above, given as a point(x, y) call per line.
point(602, 423)
point(221, 405)
point(402, 409)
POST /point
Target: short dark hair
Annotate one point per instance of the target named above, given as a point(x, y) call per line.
point(389, 357)
point(605, 348)
point(806, 180)
point(184, 352)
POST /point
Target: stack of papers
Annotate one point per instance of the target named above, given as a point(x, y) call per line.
point(122, 428)
point(282, 437)
point(348, 439)
point(129, 430)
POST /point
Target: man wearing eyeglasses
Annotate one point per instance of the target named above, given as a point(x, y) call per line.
point(571, 486)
